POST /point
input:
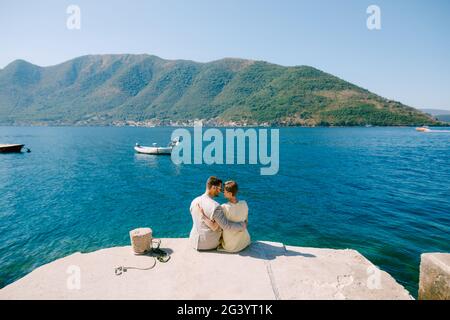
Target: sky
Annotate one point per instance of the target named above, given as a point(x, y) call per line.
point(407, 60)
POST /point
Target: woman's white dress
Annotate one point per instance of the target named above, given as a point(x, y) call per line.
point(234, 241)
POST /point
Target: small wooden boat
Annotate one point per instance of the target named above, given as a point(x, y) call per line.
point(7, 148)
point(155, 149)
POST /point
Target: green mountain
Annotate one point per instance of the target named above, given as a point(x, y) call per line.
point(100, 89)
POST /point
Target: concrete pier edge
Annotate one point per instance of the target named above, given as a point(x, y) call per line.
point(434, 283)
point(265, 270)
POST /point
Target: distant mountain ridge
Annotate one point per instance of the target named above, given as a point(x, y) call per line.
point(439, 114)
point(103, 89)
point(435, 112)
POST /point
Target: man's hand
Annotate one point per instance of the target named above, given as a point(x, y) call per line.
point(219, 216)
point(201, 209)
point(210, 223)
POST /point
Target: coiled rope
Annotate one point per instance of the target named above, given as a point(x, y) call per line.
point(161, 256)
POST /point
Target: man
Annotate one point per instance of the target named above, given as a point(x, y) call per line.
point(203, 237)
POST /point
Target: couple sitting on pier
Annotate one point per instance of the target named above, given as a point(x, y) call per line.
point(222, 227)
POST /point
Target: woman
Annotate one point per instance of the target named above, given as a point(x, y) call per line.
point(235, 211)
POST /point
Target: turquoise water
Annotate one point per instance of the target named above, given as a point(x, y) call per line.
point(382, 191)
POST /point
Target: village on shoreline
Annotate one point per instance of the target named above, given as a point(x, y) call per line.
point(214, 122)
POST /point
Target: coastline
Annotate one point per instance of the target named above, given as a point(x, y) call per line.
point(205, 124)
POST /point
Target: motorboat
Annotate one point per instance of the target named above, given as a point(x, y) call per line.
point(423, 129)
point(9, 148)
point(426, 129)
point(155, 149)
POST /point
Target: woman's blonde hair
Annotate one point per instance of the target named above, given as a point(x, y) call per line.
point(232, 187)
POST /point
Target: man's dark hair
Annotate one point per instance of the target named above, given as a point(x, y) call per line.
point(213, 181)
point(231, 186)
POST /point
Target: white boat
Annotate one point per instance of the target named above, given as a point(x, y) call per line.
point(155, 149)
point(426, 129)
point(423, 129)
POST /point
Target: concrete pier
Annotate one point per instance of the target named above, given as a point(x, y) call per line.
point(265, 270)
point(434, 276)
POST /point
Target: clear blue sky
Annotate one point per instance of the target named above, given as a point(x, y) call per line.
point(407, 60)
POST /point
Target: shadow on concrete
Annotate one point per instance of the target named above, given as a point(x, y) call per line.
point(155, 254)
point(167, 250)
point(264, 251)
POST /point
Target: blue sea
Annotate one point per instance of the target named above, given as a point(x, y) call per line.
point(382, 191)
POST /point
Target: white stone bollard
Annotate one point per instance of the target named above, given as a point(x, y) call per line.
point(141, 240)
point(434, 276)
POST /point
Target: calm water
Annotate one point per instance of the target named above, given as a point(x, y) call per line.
point(382, 191)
